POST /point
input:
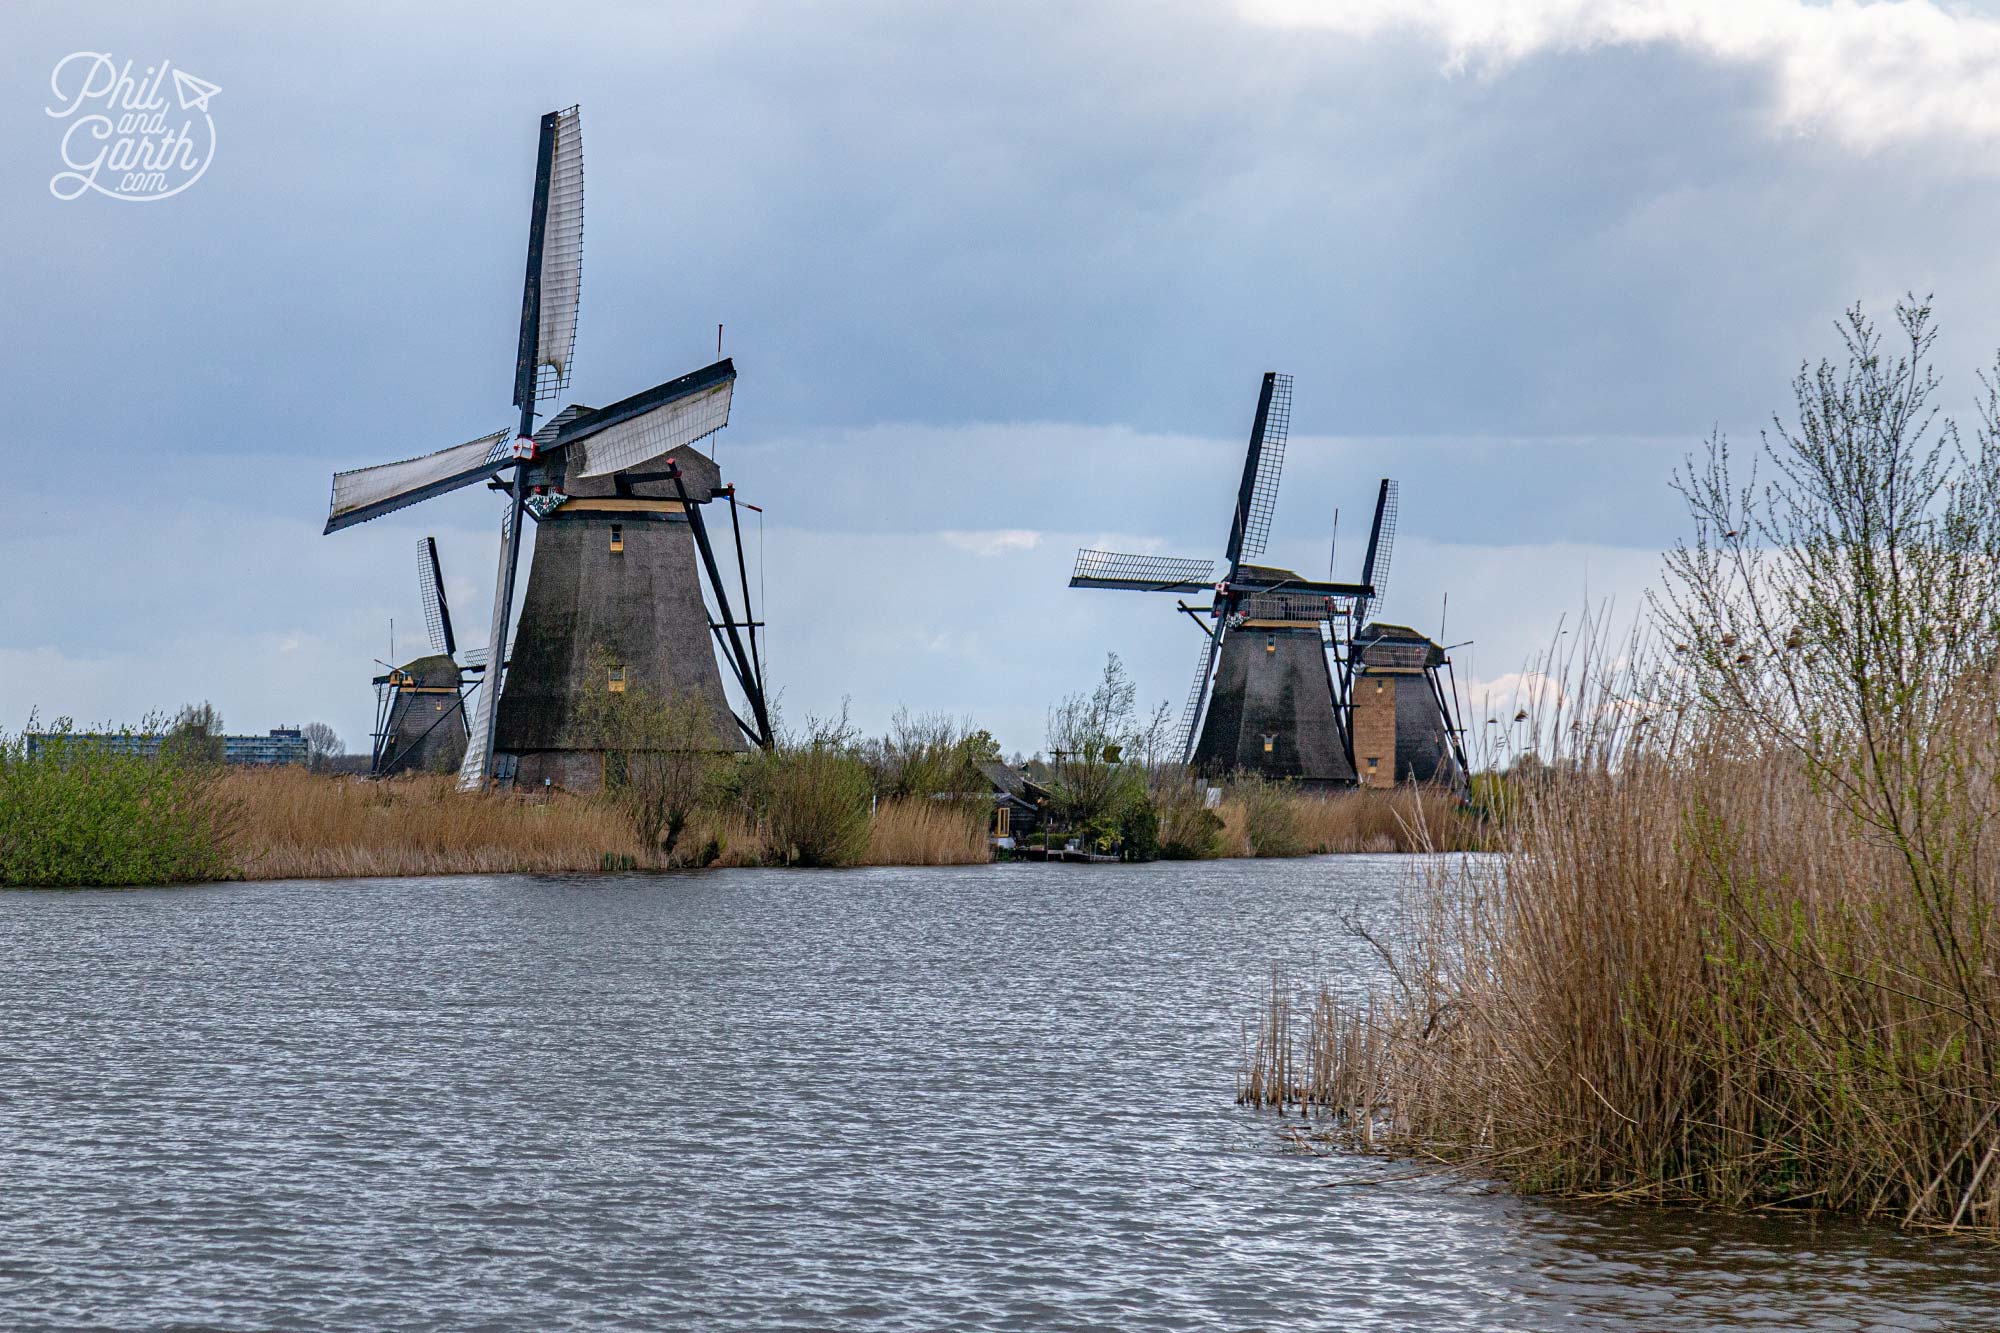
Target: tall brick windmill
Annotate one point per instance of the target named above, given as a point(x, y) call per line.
point(1398, 682)
point(615, 598)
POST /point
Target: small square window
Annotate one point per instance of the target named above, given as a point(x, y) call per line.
point(617, 538)
point(617, 684)
point(1270, 743)
point(1270, 643)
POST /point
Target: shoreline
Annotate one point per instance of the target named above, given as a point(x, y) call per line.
point(299, 825)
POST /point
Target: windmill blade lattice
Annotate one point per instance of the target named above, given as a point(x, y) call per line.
point(1191, 711)
point(472, 773)
point(1140, 573)
point(1270, 468)
point(647, 425)
point(1381, 546)
point(437, 611)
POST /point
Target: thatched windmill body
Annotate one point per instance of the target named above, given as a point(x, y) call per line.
point(420, 706)
point(615, 599)
point(1296, 682)
point(1265, 699)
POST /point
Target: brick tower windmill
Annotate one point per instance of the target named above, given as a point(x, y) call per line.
point(1400, 690)
point(1296, 683)
point(615, 597)
point(1264, 699)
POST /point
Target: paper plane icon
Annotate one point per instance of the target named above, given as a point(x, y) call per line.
point(194, 93)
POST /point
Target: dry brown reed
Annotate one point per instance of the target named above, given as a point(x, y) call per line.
point(1743, 945)
point(301, 825)
point(1693, 977)
point(1405, 819)
point(924, 832)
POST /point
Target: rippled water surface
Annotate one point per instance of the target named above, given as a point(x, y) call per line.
point(992, 1097)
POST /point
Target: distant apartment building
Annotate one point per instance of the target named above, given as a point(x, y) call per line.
point(281, 745)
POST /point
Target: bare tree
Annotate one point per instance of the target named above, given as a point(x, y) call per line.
point(194, 736)
point(1846, 612)
point(321, 743)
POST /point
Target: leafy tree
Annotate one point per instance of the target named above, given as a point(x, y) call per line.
point(661, 757)
point(929, 755)
point(1089, 735)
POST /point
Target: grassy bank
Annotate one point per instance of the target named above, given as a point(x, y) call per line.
point(291, 824)
point(299, 825)
point(1742, 947)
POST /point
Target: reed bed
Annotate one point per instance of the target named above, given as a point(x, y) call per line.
point(1742, 945)
point(925, 832)
point(1268, 820)
point(1681, 984)
point(293, 824)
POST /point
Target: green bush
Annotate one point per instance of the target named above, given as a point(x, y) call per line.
point(1188, 830)
point(812, 794)
point(1139, 830)
point(1270, 818)
point(79, 813)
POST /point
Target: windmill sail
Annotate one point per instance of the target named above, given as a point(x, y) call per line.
point(647, 425)
point(554, 283)
point(1381, 546)
point(371, 492)
point(1254, 473)
point(472, 773)
point(437, 612)
point(1191, 712)
point(1275, 416)
point(1141, 573)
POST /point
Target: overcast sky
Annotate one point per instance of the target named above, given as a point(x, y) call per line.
point(999, 281)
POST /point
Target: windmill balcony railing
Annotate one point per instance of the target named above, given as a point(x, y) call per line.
point(1290, 606)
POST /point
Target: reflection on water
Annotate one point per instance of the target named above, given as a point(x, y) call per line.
point(984, 1097)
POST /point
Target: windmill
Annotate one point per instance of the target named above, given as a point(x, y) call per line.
point(615, 596)
point(420, 706)
point(1401, 710)
point(1264, 698)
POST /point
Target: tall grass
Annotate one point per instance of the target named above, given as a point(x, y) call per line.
point(1688, 980)
point(1266, 819)
point(927, 833)
point(1743, 946)
point(300, 825)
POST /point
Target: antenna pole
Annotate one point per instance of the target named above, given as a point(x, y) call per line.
point(718, 342)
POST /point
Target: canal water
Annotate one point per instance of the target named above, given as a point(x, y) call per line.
point(989, 1097)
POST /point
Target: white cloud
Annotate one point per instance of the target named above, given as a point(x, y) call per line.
point(1868, 74)
point(999, 541)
